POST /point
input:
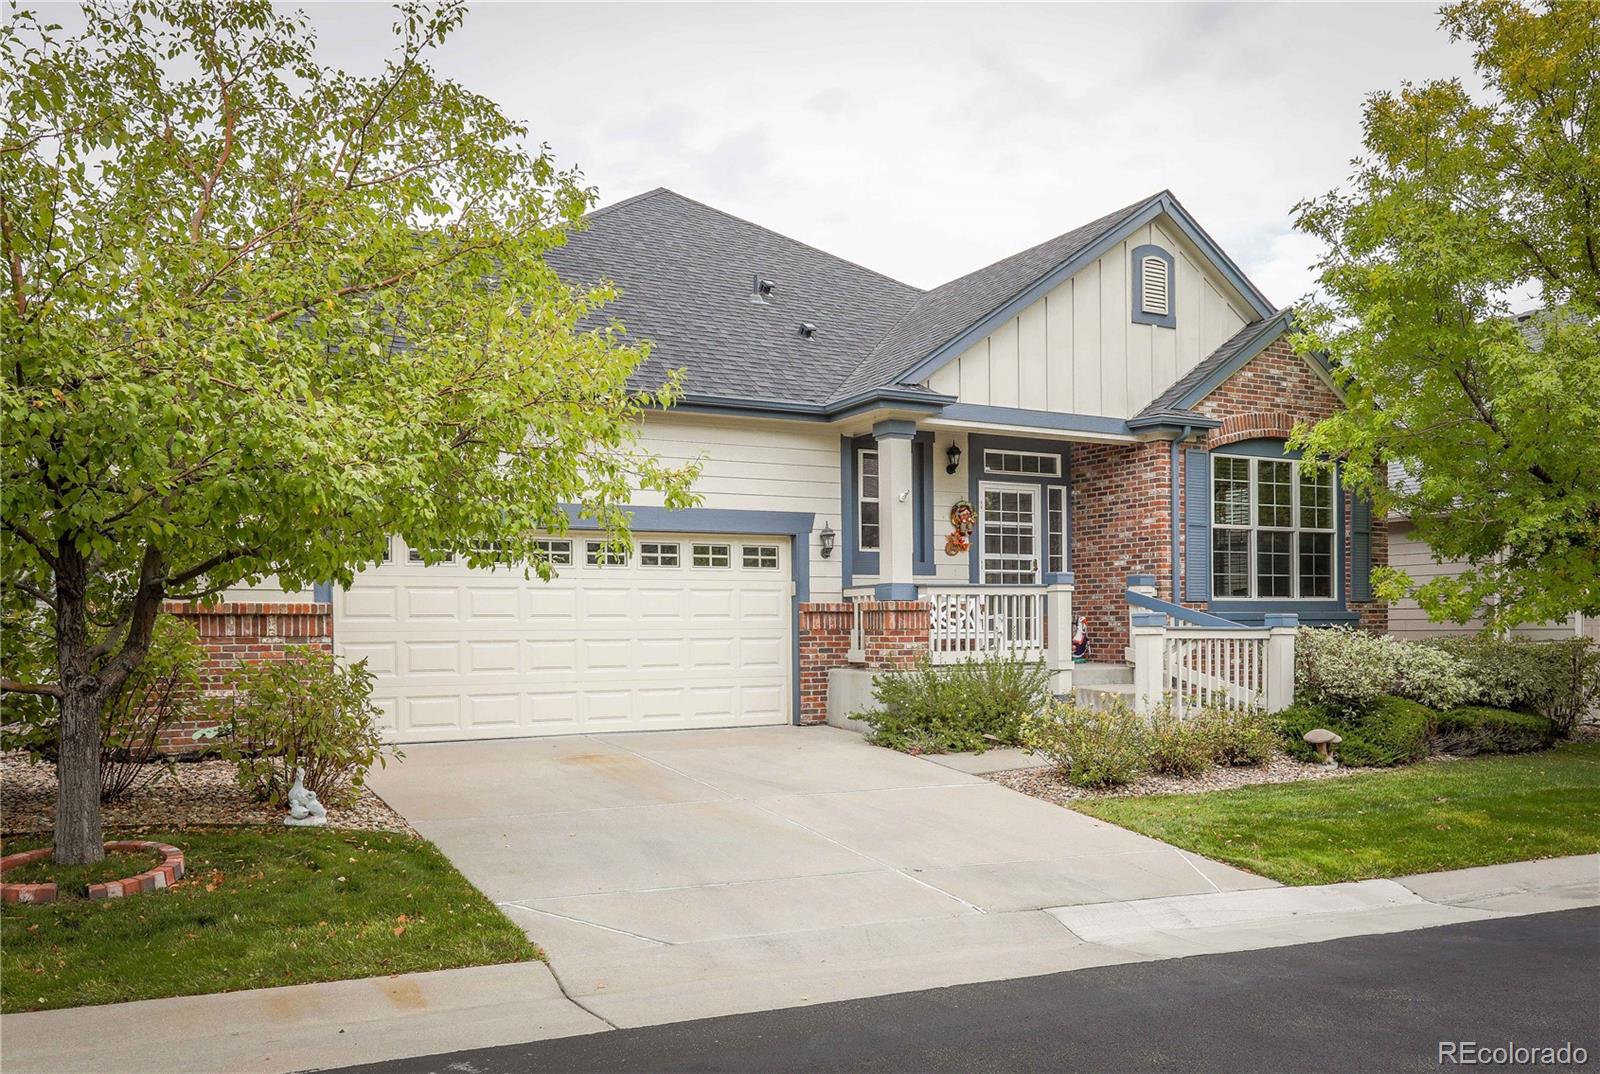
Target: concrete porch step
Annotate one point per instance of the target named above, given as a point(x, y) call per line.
point(1101, 696)
point(1092, 674)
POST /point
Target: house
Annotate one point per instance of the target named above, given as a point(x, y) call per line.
point(1111, 403)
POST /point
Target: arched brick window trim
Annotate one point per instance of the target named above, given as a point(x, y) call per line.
point(1261, 424)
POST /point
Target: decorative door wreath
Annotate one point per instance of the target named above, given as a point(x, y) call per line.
point(963, 520)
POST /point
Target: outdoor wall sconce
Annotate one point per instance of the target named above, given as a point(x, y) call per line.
point(953, 453)
point(826, 539)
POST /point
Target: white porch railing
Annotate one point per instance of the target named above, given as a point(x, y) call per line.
point(856, 596)
point(1197, 660)
point(1202, 666)
point(972, 621)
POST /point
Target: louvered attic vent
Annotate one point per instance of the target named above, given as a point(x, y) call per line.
point(1153, 286)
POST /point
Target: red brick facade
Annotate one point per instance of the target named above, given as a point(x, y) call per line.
point(1122, 494)
point(236, 633)
point(894, 635)
point(1121, 525)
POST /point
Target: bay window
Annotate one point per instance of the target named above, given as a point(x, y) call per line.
point(1272, 530)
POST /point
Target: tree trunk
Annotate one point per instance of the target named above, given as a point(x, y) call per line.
point(78, 838)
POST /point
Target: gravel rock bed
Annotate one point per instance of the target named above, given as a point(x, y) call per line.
point(1045, 783)
point(197, 794)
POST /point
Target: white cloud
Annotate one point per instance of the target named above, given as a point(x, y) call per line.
point(925, 141)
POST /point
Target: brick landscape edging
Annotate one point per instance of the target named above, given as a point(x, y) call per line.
point(163, 876)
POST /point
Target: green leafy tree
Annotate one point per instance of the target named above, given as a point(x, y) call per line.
point(259, 314)
point(1456, 205)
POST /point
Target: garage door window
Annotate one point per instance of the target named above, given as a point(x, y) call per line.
point(599, 554)
point(761, 557)
point(414, 555)
point(712, 555)
point(658, 554)
point(555, 553)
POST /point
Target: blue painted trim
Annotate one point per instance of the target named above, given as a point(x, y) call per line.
point(1060, 578)
point(847, 511)
point(894, 429)
point(1148, 619)
point(1160, 320)
point(1272, 448)
point(790, 410)
point(1048, 420)
point(1262, 448)
point(322, 592)
point(1172, 420)
point(855, 561)
point(1172, 516)
point(1161, 203)
point(1178, 611)
point(800, 560)
point(922, 464)
point(1282, 619)
point(895, 591)
point(704, 520)
point(1311, 613)
point(976, 443)
point(1271, 329)
point(1142, 579)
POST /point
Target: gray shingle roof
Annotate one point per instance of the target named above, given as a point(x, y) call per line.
point(1171, 402)
point(943, 314)
point(686, 272)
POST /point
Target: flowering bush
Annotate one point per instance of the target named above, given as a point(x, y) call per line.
point(1347, 670)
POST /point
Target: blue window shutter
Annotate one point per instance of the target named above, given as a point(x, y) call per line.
point(1360, 549)
point(1196, 525)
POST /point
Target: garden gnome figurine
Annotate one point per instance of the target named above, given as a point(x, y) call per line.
point(304, 809)
point(1080, 641)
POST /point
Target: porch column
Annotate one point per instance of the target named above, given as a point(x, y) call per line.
point(1149, 637)
point(1058, 633)
point(1281, 630)
point(895, 535)
point(1145, 586)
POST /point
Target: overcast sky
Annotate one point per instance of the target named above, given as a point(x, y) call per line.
point(925, 141)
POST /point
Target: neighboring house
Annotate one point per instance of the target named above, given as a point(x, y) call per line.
point(1113, 402)
point(1407, 620)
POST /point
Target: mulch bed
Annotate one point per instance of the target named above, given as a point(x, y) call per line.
point(199, 794)
point(1047, 784)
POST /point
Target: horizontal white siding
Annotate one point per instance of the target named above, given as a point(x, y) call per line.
point(758, 466)
point(1077, 350)
point(268, 591)
point(1406, 617)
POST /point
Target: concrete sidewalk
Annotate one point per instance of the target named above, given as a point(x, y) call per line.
point(275, 1031)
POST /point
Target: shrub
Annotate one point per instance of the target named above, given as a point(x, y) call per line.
point(967, 706)
point(1238, 736)
point(1389, 731)
point(1089, 747)
point(1473, 730)
point(1557, 679)
point(161, 692)
point(1348, 670)
point(1178, 747)
point(307, 711)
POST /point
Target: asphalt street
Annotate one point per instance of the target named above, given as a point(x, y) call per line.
point(1371, 1003)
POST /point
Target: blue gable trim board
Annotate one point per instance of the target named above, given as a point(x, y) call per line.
point(1163, 203)
point(797, 525)
point(976, 444)
point(1161, 320)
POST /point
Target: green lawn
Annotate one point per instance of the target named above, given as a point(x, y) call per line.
point(258, 908)
point(1431, 816)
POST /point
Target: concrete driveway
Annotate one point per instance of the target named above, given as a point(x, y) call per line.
point(685, 874)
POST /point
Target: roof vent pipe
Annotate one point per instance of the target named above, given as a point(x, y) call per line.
point(761, 289)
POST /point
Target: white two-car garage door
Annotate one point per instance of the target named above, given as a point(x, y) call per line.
point(689, 631)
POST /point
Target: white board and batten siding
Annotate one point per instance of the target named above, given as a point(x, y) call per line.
point(1077, 351)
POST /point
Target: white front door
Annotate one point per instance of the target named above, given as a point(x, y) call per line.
point(689, 630)
point(1009, 531)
